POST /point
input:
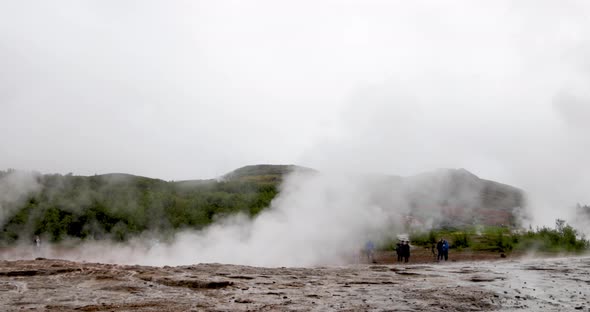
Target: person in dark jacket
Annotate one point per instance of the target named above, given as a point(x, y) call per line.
point(406, 251)
point(398, 250)
point(439, 249)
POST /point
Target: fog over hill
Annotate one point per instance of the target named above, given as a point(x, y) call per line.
point(195, 89)
point(263, 214)
point(452, 197)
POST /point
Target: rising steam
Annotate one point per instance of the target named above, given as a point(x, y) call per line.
point(317, 219)
point(171, 90)
point(15, 187)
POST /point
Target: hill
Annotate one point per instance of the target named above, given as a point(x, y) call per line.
point(119, 206)
point(264, 173)
point(462, 198)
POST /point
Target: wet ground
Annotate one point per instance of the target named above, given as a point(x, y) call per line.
point(559, 284)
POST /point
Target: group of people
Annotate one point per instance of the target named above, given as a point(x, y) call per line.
point(402, 249)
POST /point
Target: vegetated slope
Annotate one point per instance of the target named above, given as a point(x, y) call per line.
point(461, 198)
point(264, 173)
point(119, 206)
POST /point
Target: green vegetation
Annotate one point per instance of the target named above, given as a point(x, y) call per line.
point(461, 240)
point(562, 238)
point(496, 239)
point(425, 238)
point(119, 206)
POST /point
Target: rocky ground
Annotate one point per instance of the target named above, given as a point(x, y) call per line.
point(559, 284)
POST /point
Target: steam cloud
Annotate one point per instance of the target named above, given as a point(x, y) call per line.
point(359, 87)
point(317, 219)
point(15, 187)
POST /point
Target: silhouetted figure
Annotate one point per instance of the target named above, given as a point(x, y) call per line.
point(398, 250)
point(406, 251)
point(439, 249)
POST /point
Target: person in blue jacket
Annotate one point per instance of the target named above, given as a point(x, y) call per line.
point(445, 249)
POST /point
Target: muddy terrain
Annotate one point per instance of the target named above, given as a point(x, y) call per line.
point(561, 284)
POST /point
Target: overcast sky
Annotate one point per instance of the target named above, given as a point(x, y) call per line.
point(194, 89)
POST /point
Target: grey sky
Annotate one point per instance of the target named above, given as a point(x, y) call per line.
point(194, 89)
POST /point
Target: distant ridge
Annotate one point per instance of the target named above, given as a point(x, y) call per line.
point(264, 172)
point(457, 196)
point(463, 198)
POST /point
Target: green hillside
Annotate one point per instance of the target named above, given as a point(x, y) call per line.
point(263, 173)
point(119, 206)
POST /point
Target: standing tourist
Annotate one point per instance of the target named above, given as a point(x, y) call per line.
point(439, 249)
point(406, 251)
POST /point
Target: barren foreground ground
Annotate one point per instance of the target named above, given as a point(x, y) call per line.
point(534, 285)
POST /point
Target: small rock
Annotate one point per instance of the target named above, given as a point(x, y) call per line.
point(243, 301)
